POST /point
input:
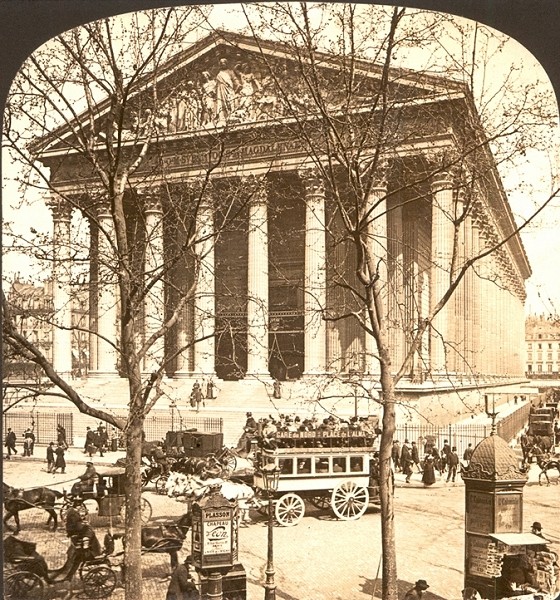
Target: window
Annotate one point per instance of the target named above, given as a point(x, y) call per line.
point(529, 346)
point(529, 368)
point(539, 368)
point(339, 464)
point(286, 465)
point(550, 346)
point(322, 464)
point(356, 463)
point(304, 465)
point(529, 356)
point(540, 345)
point(549, 367)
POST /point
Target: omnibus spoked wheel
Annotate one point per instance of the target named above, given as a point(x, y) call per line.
point(349, 500)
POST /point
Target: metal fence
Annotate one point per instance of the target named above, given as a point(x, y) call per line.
point(157, 425)
point(43, 424)
point(461, 435)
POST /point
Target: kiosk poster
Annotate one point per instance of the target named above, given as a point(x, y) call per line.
point(217, 533)
point(483, 558)
point(508, 513)
point(479, 512)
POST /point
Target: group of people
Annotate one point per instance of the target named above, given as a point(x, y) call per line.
point(97, 440)
point(10, 442)
point(406, 458)
point(198, 397)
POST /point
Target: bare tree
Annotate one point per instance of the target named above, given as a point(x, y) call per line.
point(95, 97)
point(355, 121)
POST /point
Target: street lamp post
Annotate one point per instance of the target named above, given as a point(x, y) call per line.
point(270, 476)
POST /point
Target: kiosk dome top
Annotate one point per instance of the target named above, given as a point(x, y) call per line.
point(494, 460)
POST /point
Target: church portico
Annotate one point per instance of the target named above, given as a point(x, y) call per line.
point(242, 249)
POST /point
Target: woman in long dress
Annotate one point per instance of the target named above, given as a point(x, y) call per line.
point(429, 474)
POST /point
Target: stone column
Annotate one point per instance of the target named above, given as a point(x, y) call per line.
point(62, 299)
point(257, 284)
point(107, 327)
point(205, 301)
point(474, 298)
point(315, 275)
point(443, 214)
point(153, 269)
point(376, 207)
point(396, 290)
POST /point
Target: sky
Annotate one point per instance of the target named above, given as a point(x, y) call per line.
point(528, 182)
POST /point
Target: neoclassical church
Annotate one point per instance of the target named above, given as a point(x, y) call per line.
point(272, 277)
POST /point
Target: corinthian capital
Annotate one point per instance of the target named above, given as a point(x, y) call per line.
point(312, 181)
point(61, 209)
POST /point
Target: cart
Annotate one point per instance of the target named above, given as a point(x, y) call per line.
point(26, 572)
point(109, 493)
point(335, 470)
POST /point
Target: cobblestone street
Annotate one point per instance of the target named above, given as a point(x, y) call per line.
point(319, 559)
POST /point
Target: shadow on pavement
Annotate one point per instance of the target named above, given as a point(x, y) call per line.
point(372, 588)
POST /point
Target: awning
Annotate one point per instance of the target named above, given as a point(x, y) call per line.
point(519, 539)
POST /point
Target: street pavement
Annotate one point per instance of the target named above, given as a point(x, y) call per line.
point(321, 558)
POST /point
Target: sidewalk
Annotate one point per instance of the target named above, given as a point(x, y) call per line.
point(72, 456)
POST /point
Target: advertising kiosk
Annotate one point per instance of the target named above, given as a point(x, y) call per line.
point(501, 561)
point(215, 548)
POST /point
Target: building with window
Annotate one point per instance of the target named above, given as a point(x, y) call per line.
point(272, 293)
point(542, 341)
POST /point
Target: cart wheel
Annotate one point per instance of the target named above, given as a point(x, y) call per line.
point(81, 508)
point(230, 462)
point(289, 510)
point(23, 585)
point(160, 484)
point(323, 502)
point(145, 510)
point(349, 501)
point(99, 582)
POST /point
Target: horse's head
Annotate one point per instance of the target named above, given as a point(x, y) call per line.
point(185, 523)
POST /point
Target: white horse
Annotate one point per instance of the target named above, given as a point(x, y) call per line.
point(194, 488)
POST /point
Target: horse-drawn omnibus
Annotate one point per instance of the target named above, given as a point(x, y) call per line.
point(336, 469)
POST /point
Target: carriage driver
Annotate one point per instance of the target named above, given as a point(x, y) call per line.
point(87, 481)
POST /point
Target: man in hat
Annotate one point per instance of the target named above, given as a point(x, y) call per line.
point(87, 480)
point(417, 591)
point(536, 529)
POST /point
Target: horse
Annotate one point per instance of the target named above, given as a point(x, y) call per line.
point(16, 500)
point(546, 463)
point(165, 537)
point(195, 488)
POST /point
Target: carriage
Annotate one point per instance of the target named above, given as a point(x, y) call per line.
point(109, 493)
point(328, 469)
point(26, 573)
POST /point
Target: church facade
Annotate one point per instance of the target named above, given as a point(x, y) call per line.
point(272, 276)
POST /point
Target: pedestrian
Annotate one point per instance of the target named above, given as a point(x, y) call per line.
point(429, 474)
point(182, 586)
point(415, 455)
point(277, 389)
point(50, 457)
point(196, 396)
point(437, 459)
point(60, 461)
point(89, 446)
point(28, 442)
point(61, 436)
point(467, 455)
point(101, 439)
point(406, 461)
point(452, 464)
point(536, 529)
point(10, 442)
point(210, 389)
point(417, 591)
point(395, 454)
point(445, 451)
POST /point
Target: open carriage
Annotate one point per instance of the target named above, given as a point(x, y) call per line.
point(26, 572)
point(109, 492)
point(328, 469)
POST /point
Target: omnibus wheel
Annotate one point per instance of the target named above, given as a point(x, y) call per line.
point(99, 582)
point(289, 510)
point(349, 501)
point(23, 585)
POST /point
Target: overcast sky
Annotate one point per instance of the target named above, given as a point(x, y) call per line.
point(527, 186)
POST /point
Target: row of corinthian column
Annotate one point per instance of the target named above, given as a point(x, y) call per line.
point(465, 322)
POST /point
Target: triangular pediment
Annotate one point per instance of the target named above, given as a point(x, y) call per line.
point(230, 79)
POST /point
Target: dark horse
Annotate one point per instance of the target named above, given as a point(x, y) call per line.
point(546, 464)
point(166, 538)
point(16, 500)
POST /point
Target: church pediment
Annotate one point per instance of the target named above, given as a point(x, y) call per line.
point(229, 79)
